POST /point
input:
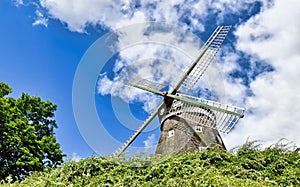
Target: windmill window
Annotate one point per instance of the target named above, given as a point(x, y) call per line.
point(198, 128)
point(171, 133)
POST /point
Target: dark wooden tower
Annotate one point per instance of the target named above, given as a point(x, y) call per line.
point(179, 135)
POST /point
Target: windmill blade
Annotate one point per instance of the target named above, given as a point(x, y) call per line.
point(212, 105)
point(137, 82)
point(200, 102)
point(205, 57)
point(142, 86)
point(221, 117)
point(119, 151)
point(150, 87)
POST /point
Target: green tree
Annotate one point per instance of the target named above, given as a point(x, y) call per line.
point(27, 138)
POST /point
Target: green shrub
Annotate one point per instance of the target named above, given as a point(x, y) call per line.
point(244, 166)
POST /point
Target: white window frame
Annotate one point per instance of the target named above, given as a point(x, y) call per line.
point(198, 128)
point(171, 133)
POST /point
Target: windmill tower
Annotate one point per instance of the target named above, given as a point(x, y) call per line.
point(189, 123)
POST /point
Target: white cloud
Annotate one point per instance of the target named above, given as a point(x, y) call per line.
point(80, 14)
point(115, 14)
point(104, 85)
point(150, 141)
point(272, 36)
point(18, 2)
point(40, 19)
point(75, 157)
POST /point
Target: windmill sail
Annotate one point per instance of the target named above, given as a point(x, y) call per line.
point(141, 83)
point(221, 117)
point(137, 81)
point(138, 132)
point(205, 57)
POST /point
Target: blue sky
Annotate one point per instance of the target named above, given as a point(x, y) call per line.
point(42, 61)
point(43, 42)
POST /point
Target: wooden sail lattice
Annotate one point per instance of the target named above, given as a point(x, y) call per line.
point(121, 149)
point(146, 83)
point(208, 52)
point(215, 115)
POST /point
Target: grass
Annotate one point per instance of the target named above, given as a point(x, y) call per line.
point(248, 165)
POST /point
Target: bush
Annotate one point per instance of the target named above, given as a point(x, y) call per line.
point(246, 166)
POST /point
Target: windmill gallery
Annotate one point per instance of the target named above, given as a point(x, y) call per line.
point(189, 123)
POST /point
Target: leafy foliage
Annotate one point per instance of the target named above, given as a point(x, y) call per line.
point(245, 166)
point(27, 136)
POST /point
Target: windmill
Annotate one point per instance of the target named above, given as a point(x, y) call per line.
point(189, 123)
